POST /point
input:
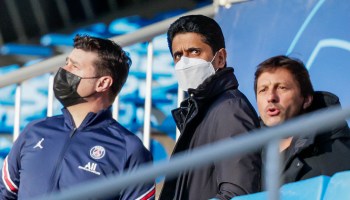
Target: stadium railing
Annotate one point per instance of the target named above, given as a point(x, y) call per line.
point(318, 121)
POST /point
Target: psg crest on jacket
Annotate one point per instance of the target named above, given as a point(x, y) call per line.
point(97, 152)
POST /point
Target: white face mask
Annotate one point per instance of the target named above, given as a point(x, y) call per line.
point(191, 72)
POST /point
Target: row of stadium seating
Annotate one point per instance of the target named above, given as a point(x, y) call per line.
point(317, 188)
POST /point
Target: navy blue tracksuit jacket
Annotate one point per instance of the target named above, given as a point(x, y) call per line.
point(51, 155)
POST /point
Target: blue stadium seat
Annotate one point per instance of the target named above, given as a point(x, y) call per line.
point(57, 39)
point(255, 196)
point(7, 93)
point(26, 50)
point(97, 28)
point(33, 100)
point(127, 24)
point(339, 186)
point(309, 189)
point(7, 101)
point(5, 147)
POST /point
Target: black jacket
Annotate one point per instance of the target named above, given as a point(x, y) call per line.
point(215, 110)
point(321, 154)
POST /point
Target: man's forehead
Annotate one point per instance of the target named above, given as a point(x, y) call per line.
point(81, 56)
point(276, 76)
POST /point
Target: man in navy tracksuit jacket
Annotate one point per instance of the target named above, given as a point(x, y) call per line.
point(84, 143)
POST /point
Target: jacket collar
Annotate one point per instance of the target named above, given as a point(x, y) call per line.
point(90, 120)
point(222, 80)
point(206, 92)
point(321, 100)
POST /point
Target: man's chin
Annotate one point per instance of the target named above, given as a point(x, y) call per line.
point(273, 122)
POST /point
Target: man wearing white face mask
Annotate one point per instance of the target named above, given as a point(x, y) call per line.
point(215, 110)
point(191, 72)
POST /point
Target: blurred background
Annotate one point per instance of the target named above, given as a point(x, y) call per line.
point(27, 21)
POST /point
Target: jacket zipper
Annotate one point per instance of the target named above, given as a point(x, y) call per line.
point(58, 164)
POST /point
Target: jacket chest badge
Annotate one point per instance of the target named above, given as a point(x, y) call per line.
point(97, 152)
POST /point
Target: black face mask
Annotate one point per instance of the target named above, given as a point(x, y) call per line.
point(65, 88)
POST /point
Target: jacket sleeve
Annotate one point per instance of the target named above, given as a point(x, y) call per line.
point(240, 174)
point(138, 155)
point(10, 178)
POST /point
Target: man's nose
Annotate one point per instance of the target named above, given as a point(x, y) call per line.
point(66, 67)
point(272, 97)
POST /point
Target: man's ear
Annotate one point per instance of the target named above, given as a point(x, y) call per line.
point(221, 58)
point(307, 101)
point(104, 83)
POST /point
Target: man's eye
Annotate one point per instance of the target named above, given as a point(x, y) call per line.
point(282, 88)
point(177, 57)
point(262, 90)
point(194, 52)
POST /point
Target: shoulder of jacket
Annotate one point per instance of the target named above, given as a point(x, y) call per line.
point(129, 138)
point(233, 99)
point(35, 124)
point(39, 122)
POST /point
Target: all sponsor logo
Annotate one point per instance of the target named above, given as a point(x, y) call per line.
point(90, 167)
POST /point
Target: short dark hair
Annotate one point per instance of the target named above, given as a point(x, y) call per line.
point(293, 65)
point(200, 24)
point(113, 60)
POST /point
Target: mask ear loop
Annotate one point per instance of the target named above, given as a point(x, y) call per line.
point(213, 60)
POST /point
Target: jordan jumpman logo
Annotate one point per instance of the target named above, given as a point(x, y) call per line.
point(39, 144)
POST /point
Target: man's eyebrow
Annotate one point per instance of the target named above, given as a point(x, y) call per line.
point(193, 48)
point(264, 85)
point(186, 50)
point(71, 60)
point(175, 53)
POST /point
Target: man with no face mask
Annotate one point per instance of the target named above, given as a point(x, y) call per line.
point(283, 91)
point(215, 110)
point(85, 142)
